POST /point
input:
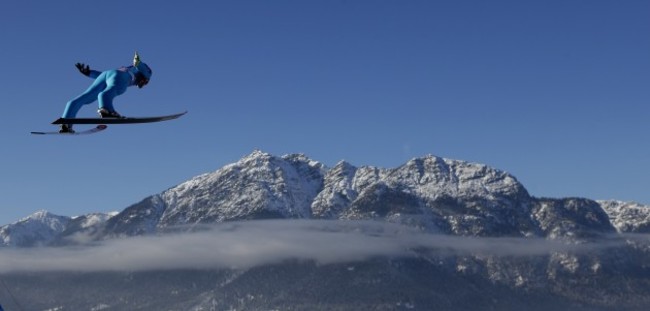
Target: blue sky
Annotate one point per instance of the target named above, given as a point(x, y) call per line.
point(554, 92)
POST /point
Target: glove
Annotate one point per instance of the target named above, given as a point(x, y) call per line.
point(83, 68)
point(140, 80)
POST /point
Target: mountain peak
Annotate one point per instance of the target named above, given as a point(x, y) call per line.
point(38, 215)
point(43, 216)
point(256, 155)
point(259, 185)
point(436, 176)
point(37, 228)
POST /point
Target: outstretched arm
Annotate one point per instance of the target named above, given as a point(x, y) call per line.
point(86, 71)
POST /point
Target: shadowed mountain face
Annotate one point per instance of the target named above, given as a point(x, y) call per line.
point(476, 240)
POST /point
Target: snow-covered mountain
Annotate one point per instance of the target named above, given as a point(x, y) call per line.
point(44, 228)
point(628, 216)
point(33, 230)
point(430, 193)
point(605, 269)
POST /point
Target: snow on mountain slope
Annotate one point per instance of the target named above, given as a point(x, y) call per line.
point(628, 216)
point(432, 177)
point(257, 186)
point(36, 229)
point(93, 219)
point(431, 193)
point(45, 228)
point(429, 178)
point(571, 218)
point(137, 219)
point(83, 228)
point(342, 185)
point(571, 250)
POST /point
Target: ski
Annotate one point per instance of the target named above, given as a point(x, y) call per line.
point(93, 130)
point(126, 120)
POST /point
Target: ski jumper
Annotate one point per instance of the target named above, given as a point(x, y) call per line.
point(107, 86)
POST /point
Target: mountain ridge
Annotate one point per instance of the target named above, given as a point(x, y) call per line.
point(508, 251)
point(431, 193)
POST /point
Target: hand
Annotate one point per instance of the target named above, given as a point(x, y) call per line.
point(83, 68)
point(142, 83)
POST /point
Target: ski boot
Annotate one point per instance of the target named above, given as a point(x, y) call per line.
point(105, 113)
point(66, 129)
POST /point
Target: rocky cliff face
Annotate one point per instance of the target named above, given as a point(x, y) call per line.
point(628, 217)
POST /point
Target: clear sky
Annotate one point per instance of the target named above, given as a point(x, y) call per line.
point(555, 92)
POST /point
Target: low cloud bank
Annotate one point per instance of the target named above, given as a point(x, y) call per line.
point(255, 243)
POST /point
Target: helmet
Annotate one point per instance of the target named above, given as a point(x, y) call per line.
point(143, 74)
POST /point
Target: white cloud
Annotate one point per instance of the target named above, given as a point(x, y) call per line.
point(254, 243)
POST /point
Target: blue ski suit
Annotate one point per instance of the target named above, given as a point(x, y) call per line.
point(107, 85)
